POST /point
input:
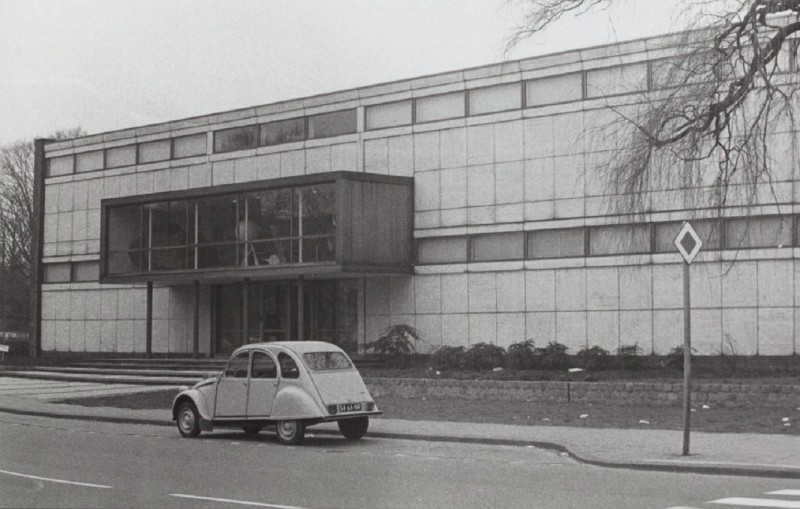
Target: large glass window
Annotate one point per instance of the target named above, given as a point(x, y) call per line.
point(267, 227)
point(496, 98)
point(238, 138)
point(167, 226)
point(556, 89)
point(283, 131)
point(564, 243)
point(332, 124)
point(619, 239)
point(315, 223)
point(440, 107)
point(497, 246)
point(442, 250)
point(218, 228)
point(127, 240)
point(268, 233)
point(751, 232)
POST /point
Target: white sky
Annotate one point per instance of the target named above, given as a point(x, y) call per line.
point(111, 64)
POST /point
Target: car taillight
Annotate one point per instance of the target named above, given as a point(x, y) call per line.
point(332, 409)
point(370, 407)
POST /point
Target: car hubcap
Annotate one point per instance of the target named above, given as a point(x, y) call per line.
point(287, 429)
point(187, 420)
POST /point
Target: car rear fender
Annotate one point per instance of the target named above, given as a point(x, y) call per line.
point(293, 402)
point(195, 397)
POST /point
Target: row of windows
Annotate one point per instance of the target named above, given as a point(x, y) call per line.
point(636, 238)
point(604, 82)
point(75, 272)
point(128, 155)
point(266, 227)
point(608, 81)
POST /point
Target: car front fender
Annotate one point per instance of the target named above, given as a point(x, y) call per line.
point(196, 397)
point(293, 402)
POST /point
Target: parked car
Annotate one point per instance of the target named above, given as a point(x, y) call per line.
point(290, 385)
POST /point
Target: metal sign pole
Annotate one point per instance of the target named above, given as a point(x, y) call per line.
point(687, 357)
point(688, 244)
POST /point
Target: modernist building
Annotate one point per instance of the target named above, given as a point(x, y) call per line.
point(467, 204)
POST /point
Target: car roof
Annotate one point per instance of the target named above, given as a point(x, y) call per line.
point(298, 347)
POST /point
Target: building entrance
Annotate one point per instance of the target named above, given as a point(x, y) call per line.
point(323, 310)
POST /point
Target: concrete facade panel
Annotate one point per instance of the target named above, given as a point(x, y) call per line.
point(482, 328)
point(571, 330)
point(428, 294)
point(602, 328)
point(510, 328)
point(482, 293)
point(455, 293)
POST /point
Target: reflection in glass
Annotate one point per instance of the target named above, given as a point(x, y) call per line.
point(283, 131)
point(267, 233)
point(316, 223)
point(236, 139)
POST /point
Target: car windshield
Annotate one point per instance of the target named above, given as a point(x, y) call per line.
point(326, 360)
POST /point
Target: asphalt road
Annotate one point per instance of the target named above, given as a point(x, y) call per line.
point(61, 463)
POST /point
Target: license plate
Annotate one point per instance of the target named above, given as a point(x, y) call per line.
point(350, 407)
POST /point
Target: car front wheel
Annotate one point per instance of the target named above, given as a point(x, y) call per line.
point(188, 420)
point(355, 428)
point(290, 432)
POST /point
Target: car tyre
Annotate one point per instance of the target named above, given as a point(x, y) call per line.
point(290, 432)
point(355, 428)
point(188, 420)
point(252, 430)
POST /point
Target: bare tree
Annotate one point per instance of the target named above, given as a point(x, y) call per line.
point(16, 225)
point(710, 118)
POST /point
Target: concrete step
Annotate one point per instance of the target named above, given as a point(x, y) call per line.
point(140, 372)
point(103, 378)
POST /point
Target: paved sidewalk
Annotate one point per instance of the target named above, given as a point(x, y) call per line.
point(718, 453)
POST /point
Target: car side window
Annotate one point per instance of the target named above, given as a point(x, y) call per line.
point(237, 367)
point(263, 366)
point(289, 368)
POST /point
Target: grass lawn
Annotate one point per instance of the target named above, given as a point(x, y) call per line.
point(752, 419)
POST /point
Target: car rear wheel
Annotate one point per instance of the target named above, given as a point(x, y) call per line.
point(355, 428)
point(290, 432)
point(188, 420)
point(252, 430)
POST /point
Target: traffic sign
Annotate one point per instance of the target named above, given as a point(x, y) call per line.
point(3, 348)
point(688, 242)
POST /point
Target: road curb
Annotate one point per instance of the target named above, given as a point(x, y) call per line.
point(738, 471)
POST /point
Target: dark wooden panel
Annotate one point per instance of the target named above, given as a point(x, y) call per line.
point(380, 230)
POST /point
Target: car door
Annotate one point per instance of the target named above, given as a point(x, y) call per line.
point(231, 400)
point(263, 384)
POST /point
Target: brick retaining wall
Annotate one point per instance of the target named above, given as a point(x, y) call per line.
point(620, 393)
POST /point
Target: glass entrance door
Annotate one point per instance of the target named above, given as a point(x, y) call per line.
point(270, 311)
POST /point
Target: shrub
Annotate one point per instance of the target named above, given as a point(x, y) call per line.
point(553, 356)
point(396, 343)
point(484, 356)
point(675, 358)
point(595, 358)
point(522, 355)
point(448, 357)
point(629, 356)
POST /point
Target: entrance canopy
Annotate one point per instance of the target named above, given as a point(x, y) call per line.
point(336, 224)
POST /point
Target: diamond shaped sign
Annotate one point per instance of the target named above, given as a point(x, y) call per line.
point(688, 242)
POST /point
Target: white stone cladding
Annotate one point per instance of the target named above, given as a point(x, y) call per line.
point(518, 170)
